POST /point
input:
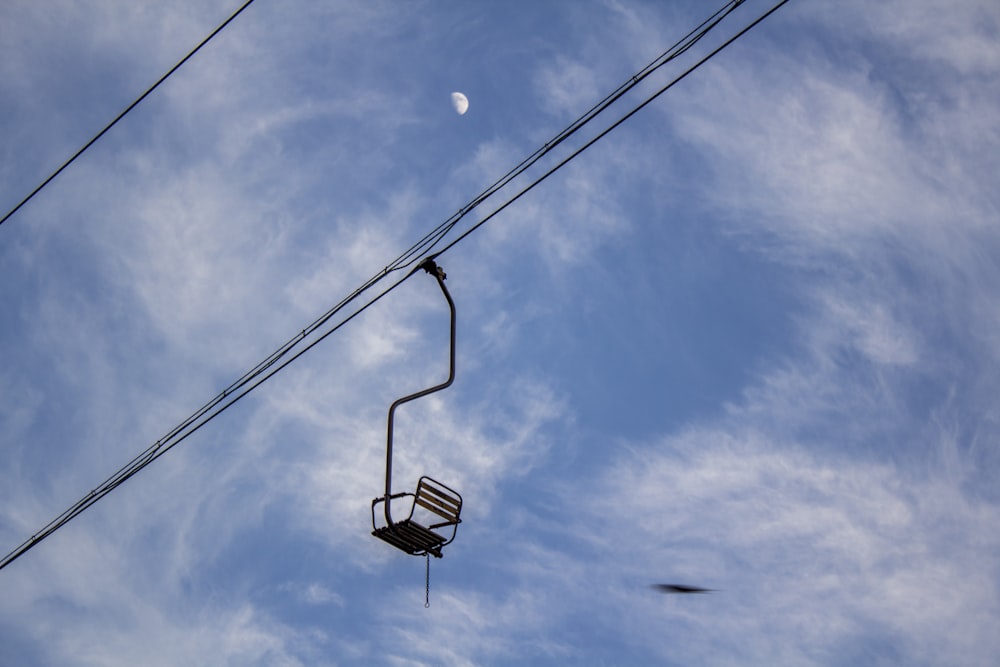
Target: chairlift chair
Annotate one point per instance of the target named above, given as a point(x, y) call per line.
point(435, 509)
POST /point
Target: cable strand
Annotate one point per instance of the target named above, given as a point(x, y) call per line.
point(121, 115)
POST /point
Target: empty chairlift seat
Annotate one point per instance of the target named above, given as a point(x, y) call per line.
point(431, 524)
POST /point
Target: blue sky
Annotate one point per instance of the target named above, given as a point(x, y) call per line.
point(748, 341)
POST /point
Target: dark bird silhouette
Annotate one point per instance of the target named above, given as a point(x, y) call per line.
point(680, 589)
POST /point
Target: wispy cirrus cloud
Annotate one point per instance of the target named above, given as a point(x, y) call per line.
point(839, 492)
point(812, 548)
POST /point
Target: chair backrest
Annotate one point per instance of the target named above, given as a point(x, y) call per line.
point(439, 499)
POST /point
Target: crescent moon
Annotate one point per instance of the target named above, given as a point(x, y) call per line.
point(460, 102)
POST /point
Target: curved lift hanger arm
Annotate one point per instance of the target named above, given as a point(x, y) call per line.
point(435, 506)
point(430, 267)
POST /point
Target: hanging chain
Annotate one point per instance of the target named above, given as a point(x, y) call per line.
point(427, 589)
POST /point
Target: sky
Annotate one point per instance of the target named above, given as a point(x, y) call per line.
point(746, 341)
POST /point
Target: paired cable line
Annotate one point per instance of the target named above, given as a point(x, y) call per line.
point(613, 126)
point(287, 353)
point(676, 50)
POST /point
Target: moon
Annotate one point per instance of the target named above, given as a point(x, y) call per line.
point(460, 102)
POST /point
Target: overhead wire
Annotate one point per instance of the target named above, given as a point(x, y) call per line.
point(125, 112)
point(562, 163)
point(179, 434)
point(677, 49)
point(283, 356)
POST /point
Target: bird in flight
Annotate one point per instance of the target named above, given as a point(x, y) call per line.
point(680, 589)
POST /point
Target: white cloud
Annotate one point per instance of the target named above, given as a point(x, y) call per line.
point(567, 89)
point(467, 628)
point(872, 330)
point(809, 552)
point(844, 502)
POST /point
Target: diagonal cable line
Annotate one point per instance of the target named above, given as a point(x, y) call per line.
point(676, 50)
point(129, 108)
point(284, 356)
point(177, 436)
point(613, 126)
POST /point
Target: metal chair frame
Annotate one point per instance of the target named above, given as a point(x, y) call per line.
point(412, 536)
point(432, 497)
